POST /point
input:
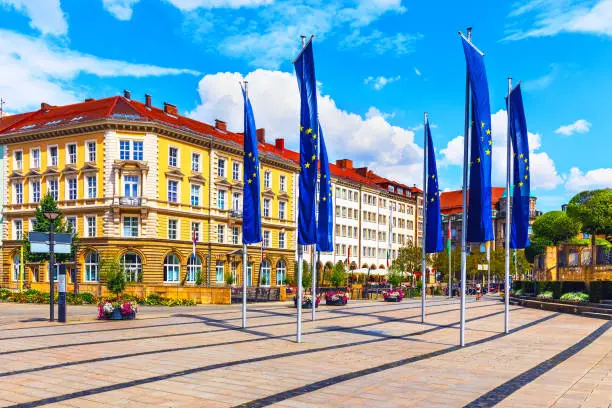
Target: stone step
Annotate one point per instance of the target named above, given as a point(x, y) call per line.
point(606, 302)
point(604, 316)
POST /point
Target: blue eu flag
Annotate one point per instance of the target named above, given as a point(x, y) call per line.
point(325, 223)
point(479, 217)
point(309, 124)
point(251, 211)
point(519, 237)
point(433, 229)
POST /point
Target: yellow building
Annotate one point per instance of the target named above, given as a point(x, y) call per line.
point(138, 184)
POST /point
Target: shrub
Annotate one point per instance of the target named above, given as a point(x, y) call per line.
point(518, 292)
point(88, 298)
point(600, 290)
point(545, 295)
point(115, 279)
point(31, 292)
point(395, 278)
point(338, 276)
point(4, 293)
point(577, 297)
point(229, 279)
point(73, 299)
point(153, 299)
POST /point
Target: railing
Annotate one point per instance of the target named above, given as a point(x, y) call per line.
point(235, 213)
point(131, 201)
point(256, 294)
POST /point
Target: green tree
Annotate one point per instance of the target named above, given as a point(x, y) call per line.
point(408, 258)
point(592, 209)
point(395, 277)
point(112, 272)
point(556, 226)
point(338, 275)
point(440, 263)
point(536, 247)
point(42, 224)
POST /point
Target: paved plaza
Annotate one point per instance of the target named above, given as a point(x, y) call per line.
point(367, 354)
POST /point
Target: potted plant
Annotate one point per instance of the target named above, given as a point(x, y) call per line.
point(336, 298)
point(307, 301)
point(393, 295)
point(120, 310)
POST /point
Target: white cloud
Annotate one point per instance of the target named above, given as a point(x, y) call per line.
point(380, 82)
point(593, 179)
point(380, 43)
point(34, 70)
point(121, 9)
point(579, 126)
point(45, 16)
point(551, 17)
point(543, 81)
point(544, 174)
point(371, 140)
point(416, 71)
point(189, 5)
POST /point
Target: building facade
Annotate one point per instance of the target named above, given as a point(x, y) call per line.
point(139, 185)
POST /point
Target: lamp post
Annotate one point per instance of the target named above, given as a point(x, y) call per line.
point(51, 216)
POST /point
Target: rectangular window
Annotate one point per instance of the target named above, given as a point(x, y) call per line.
point(173, 157)
point(267, 179)
point(53, 155)
point(236, 201)
point(236, 171)
point(195, 195)
point(71, 156)
point(90, 226)
point(173, 191)
point(72, 188)
point(266, 208)
point(172, 229)
point(36, 191)
point(235, 235)
point(195, 231)
point(266, 239)
point(137, 150)
point(281, 240)
point(195, 162)
point(281, 210)
point(219, 272)
point(221, 167)
point(91, 151)
point(220, 234)
point(282, 183)
point(221, 199)
point(130, 226)
point(124, 149)
point(130, 186)
point(53, 189)
point(92, 187)
point(35, 156)
point(17, 229)
point(18, 160)
point(72, 221)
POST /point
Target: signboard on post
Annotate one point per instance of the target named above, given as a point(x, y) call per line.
point(39, 243)
point(483, 267)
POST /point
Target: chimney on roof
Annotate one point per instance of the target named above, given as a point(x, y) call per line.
point(344, 164)
point(221, 125)
point(127, 94)
point(261, 135)
point(280, 144)
point(44, 106)
point(147, 100)
point(362, 171)
point(89, 99)
point(170, 109)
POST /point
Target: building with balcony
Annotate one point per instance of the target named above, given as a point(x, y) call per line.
point(139, 184)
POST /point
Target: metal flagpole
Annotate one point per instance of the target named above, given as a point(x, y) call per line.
point(244, 253)
point(450, 253)
point(298, 337)
point(314, 285)
point(488, 244)
point(423, 261)
point(508, 220)
point(464, 247)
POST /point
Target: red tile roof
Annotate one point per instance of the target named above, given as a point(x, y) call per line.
point(121, 108)
point(451, 201)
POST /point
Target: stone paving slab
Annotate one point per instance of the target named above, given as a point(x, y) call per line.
point(369, 353)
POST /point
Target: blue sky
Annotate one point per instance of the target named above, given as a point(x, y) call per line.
point(380, 65)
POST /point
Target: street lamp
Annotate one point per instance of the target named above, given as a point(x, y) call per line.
point(51, 216)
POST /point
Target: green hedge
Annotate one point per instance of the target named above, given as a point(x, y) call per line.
point(600, 290)
point(597, 291)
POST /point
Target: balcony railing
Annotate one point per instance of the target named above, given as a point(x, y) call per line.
point(131, 201)
point(235, 213)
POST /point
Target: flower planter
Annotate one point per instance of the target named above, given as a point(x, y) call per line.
point(393, 299)
point(393, 295)
point(336, 298)
point(117, 310)
point(116, 315)
point(339, 302)
point(307, 302)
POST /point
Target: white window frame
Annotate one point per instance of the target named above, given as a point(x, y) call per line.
point(89, 191)
point(235, 171)
point(220, 269)
point(33, 197)
point(140, 152)
point(92, 267)
point(50, 156)
point(267, 207)
point(86, 227)
point(131, 227)
point(176, 159)
point(267, 239)
point(50, 191)
point(76, 153)
point(176, 268)
point(177, 192)
point(89, 152)
point(195, 162)
point(282, 182)
point(198, 196)
point(194, 264)
point(198, 230)
point(282, 210)
point(235, 235)
point(236, 201)
point(267, 179)
point(281, 239)
point(220, 233)
point(33, 163)
point(281, 272)
point(17, 232)
point(266, 271)
point(75, 225)
point(68, 189)
point(176, 228)
point(18, 164)
point(221, 199)
point(221, 169)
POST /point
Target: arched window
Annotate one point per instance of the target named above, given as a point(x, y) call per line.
point(132, 266)
point(281, 272)
point(194, 268)
point(16, 266)
point(171, 268)
point(265, 273)
point(92, 265)
point(220, 272)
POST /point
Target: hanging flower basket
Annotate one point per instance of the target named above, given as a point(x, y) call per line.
point(307, 301)
point(336, 298)
point(394, 295)
point(123, 310)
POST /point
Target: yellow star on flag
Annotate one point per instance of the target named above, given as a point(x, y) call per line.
point(324, 198)
point(521, 155)
point(249, 180)
point(488, 131)
point(527, 168)
point(490, 142)
point(325, 176)
point(314, 156)
point(525, 160)
point(301, 128)
point(482, 124)
point(526, 176)
point(307, 165)
point(478, 159)
point(488, 152)
point(314, 136)
point(432, 200)
point(254, 175)
point(308, 131)
point(520, 184)
point(250, 154)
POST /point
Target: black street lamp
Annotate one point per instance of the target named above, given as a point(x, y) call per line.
point(51, 216)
